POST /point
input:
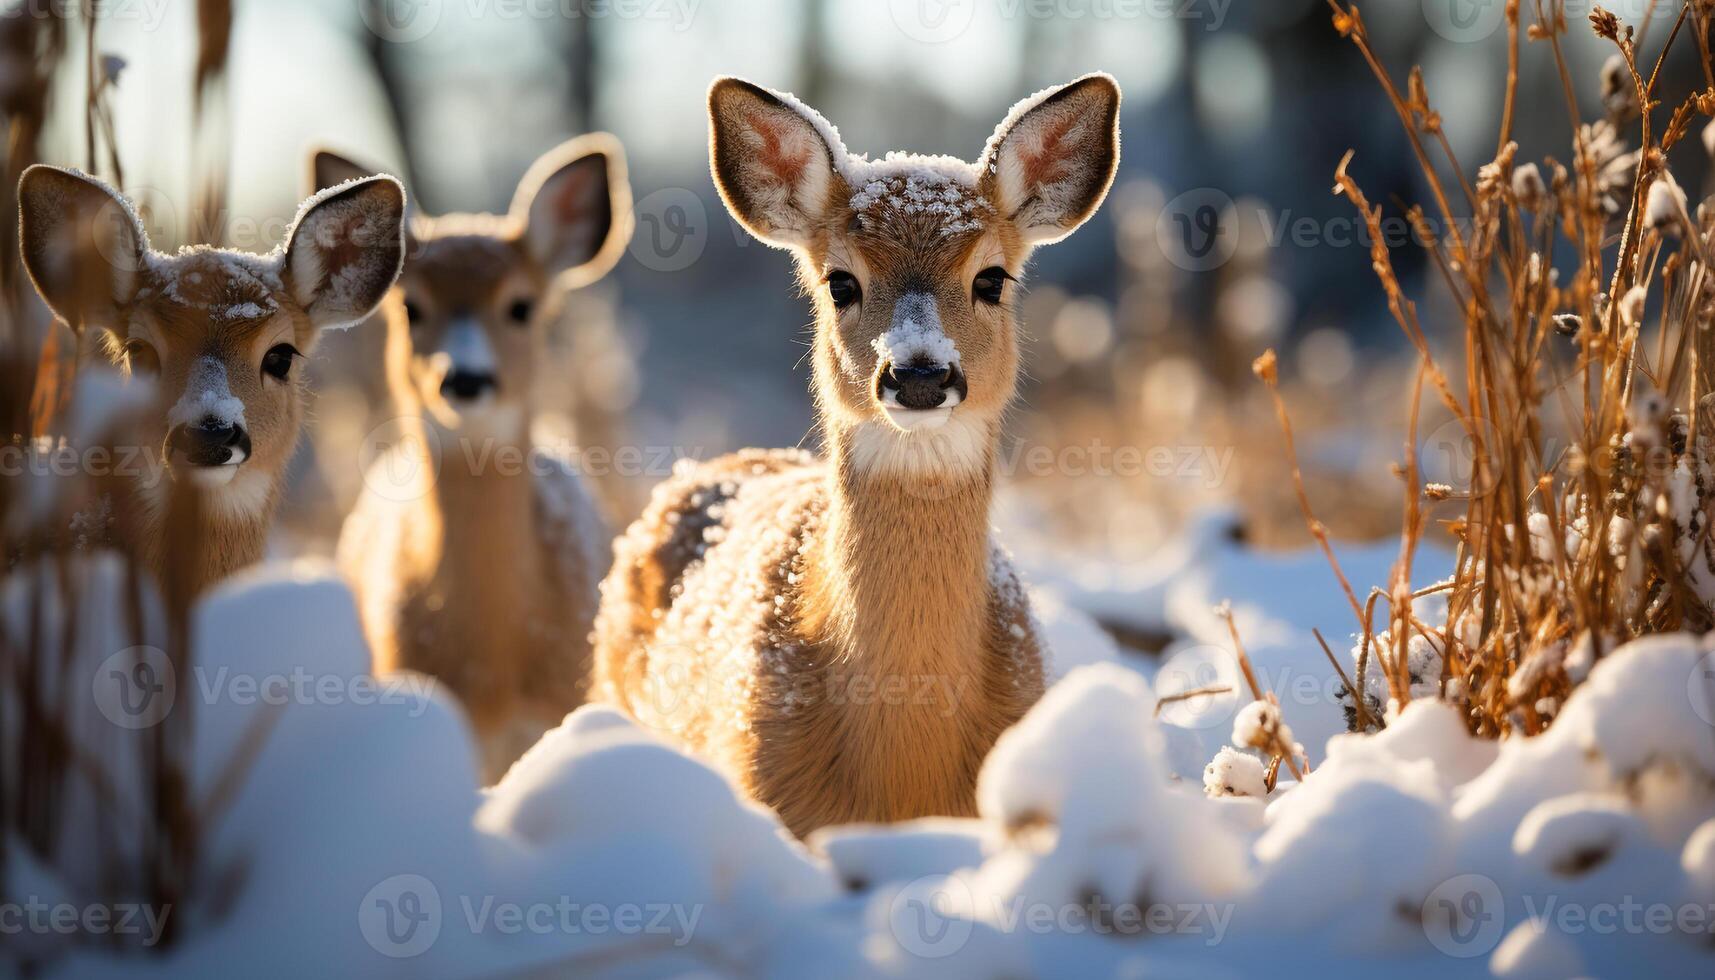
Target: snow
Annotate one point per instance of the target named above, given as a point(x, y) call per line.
point(207, 397)
point(1417, 851)
point(1234, 773)
point(914, 338)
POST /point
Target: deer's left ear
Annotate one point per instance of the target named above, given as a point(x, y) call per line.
point(575, 203)
point(345, 249)
point(1050, 162)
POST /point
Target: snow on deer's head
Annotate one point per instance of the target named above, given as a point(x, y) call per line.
point(477, 289)
point(911, 258)
point(223, 333)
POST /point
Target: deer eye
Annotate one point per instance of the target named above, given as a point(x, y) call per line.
point(988, 284)
point(843, 289)
point(141, 358)
point(277, 363)
point(520, 311)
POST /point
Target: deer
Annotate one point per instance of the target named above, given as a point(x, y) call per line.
point(476, 555)
point(219, 336)
point(839, 635)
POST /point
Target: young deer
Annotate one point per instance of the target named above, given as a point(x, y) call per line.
point(841, 637)
point(476, 557)
point(222, 334)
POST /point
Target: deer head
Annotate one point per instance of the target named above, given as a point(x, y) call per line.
point(222, 333)
point(912, 260)
point(478, 290)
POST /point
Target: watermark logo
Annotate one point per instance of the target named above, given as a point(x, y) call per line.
point(1196, 231)
point(932, 21)
point(136, 687)
point(1465, 916)
point(925, 916)
point(401, 916)
point(1700, 687)
point(1464, 21)
point(400, 21)
point(400, 459)
point(672, 230)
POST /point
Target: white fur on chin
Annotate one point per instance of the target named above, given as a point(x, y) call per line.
point(951, 444)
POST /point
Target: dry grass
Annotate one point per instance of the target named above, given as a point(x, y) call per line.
point(1586, 389)
point(50, 761)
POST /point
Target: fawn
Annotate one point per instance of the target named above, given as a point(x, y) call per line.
point(221, 333)
point(476, 556)
point(841, 637)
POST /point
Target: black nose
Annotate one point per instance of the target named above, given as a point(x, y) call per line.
point(468, 385)
point(921, 386)
point(210, 442)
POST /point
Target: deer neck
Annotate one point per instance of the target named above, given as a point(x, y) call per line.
point(903, 584)
point(194, 538)
point(477, 530)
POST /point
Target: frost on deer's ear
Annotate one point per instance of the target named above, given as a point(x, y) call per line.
point(773, 160)
point(82, 243)
point(345, 248)
point(1050, 162)
point(575, 204)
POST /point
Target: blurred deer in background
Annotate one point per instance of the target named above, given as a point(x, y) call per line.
point(842, 637)
point(475, 555)
point(220, 334)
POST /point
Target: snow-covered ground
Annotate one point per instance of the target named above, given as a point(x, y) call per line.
point(358, 845)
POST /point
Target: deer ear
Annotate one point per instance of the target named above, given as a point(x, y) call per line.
point(82, 244)
point(1050, 162)
point(773, 160)
point(329, 169)
point(345, 248)
point(576, 207)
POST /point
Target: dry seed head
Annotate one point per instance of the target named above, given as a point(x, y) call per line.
point(1265, 367)
point(1437, 491)
point(1528, 188)
point(1632, 305)
point(1567, 324)
point(1618, 93)
point(1665, 205)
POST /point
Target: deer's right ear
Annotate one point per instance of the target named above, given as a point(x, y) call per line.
point(773, 160)
point(329, 169)
point(345, 249)
point(81, 243)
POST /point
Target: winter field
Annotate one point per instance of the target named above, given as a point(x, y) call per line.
point(1119, 620)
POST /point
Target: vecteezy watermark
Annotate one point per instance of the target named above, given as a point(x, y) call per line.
point(402, 458)
point(1700, 687)
point(1465, 21)
point(1465, 916)
point(148, 13)
point(672, 230)
point(35, 917)
point(1196, 231)
point(938, 21)
point(404, 21)
point(138, 688)
point(934, 917)
point(678, 683)
point(403, 916)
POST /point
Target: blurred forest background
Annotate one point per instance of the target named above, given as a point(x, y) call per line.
point(1221, 237)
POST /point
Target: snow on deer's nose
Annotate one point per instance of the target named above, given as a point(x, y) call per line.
point(919, 381)
point(206, 424)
